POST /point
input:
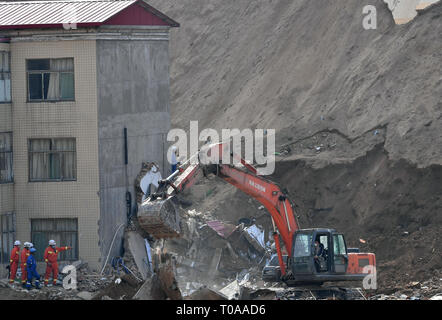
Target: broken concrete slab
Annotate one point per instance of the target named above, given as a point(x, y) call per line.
point(232, 291)
point(85, 295)
point(165, 269)
point(145, 291)
point(3, 283)
point(215, 262)
point(205, 293)
point(137, 248)
point(255, 236)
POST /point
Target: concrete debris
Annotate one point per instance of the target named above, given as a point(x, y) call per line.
point(215, 262)
point(85, 295)
point(137, 249)
point(149, 255)
point(3, 283)
point(205, 293)
point(255, 236)
point(232, 291)
point(223, 229)
point(145, 291)
point(165, 269)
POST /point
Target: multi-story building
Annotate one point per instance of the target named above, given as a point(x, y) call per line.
point(84, 100)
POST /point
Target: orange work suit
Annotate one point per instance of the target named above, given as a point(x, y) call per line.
point(13, 262)
point(23, 257)
point(50, 257)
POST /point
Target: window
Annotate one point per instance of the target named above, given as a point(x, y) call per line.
point(63, 231)
point(7, 231)
point(52, 159)
point(6, 174)
point(50, 79)
point(274, 261)
point(303, 245)
point(324, 240)
point(5, 77)
point(339, 245)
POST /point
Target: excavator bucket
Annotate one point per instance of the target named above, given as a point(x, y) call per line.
point(160, 218)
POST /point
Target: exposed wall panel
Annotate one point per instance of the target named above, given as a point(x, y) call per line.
point(133, 92)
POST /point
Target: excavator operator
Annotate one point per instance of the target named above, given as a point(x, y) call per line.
point(319, 255)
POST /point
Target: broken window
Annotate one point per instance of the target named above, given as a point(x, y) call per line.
point(52, 159)
point(50, 79)
point(5, 77)
point(63, 231)
point(6, 174)
point(7, 238)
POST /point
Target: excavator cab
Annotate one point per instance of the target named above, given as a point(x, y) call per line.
point(330, 262)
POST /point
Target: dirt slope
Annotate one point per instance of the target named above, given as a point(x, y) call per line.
point(304, 66)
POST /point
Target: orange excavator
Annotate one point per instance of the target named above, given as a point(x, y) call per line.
point(158, 216)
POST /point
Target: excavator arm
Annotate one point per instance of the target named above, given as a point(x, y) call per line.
point(243, 176)
point(157, 215)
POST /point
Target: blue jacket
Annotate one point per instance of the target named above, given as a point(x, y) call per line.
point(31, 267)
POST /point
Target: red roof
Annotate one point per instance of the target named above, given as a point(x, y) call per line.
point(85, 13)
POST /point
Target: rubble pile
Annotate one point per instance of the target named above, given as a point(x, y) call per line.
point(415, 290)
point(213, 253)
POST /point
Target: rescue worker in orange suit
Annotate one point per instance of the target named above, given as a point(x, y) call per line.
point(14, 260)
point(50, 257)
point(23, 257)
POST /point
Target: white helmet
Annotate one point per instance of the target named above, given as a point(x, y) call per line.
point(31, 245)
point(26, 244)
point(17, 243)
point(52, 242)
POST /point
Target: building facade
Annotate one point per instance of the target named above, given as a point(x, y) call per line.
point(83, 102)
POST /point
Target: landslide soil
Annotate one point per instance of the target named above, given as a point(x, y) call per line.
point(370, 99)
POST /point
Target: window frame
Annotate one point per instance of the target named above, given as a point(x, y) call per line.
point(42, 72)
point(51, 152)
point(11, 152)
point(304, 243)
point(75, 247)
point(10, 77)
point(7, 246)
